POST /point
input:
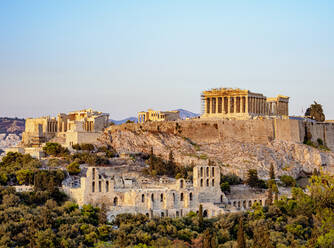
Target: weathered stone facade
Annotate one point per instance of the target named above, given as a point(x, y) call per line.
point(242, 104)
point(76, 127)
point(152, 115)
point(126, 192)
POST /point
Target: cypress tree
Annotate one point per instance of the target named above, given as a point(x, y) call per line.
point(272, 172)
point(270, 196)
point(241, 242)
point(200, 216)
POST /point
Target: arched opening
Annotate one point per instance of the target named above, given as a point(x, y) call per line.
point(162, 197)
point(107, 186)
point(201, 171)
point(213, 172)
point(93, 173)
point(177, 214)
point(261, 202)
point(162, 214)
point(205, 213)
point(142, 198)
point(115, 201)
point(238, 204)
point(181, 184)
point(221, 198)
point(152, 198)
point(100, 187)
point(181, 197)
point(201, 182)
point(213, 182)
point(93, 187)
point(249, 203)
point(207, 182)
point(147, 215)
point(234, 204)
point(190, 196)
point(244, 204)
point(207, 171)
point(174, 197)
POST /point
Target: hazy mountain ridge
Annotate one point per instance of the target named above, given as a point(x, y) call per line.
point(184, 114)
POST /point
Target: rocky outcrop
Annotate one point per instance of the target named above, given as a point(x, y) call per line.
point(233, 155)
point(10, 131)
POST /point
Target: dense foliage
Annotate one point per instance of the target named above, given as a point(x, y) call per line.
point(160, 167)
point(55, 149)
point(42, 219)
point(315, 112)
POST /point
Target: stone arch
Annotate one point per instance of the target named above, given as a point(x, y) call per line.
point(177, 214)
point(107, 186)
point(249, 203)
point(221, 198)
point(213, 182)
point(115, 201)
point(235, 204)
point(174, 197)
point(190, 196)
point(181, 197)
point(200, 184)
point(93, 187)
point(207, 182)
point(239, 204)
point(147, 214)
point(213, 171)
point(261, 202)
point(201, 171)
point(181, 183)
point(207, 171)
point(205, 213)
point(244, 204)
point(142, 198)
point(161, 197)
point(152, 197)
point(162, 214)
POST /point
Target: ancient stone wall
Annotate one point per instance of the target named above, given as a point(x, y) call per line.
point(249, 131)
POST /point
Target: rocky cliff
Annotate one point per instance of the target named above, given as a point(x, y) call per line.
point(235, 146)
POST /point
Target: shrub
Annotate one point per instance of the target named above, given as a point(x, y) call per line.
point(225, 187)
point(73, 168)
point(55, 149)
point(288, 181)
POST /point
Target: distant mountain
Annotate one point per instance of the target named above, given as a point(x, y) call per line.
point(119, 122)
point(11, 125)
point(184, 114)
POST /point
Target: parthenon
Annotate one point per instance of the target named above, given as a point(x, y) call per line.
point(242, 104)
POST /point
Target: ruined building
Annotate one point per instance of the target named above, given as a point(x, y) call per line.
point(152, 115)
point(76, 127)
point(242, 104)
point(125, 192)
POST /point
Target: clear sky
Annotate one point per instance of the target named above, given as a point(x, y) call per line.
point(123, 56)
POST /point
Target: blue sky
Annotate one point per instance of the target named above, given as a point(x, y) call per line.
point(122, 57)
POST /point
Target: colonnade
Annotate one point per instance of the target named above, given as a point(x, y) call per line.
point(245, 104)
point(52, 126)
point(89, 126)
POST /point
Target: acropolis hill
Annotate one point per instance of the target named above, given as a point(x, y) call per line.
point(236, 145)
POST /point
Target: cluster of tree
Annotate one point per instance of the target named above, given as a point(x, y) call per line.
point(315, 112)
point(39, 219)
point(160, 167)
point(55, 149)
point(254, 181)
point(83, 147)
point(18, 168)
point(227, 180)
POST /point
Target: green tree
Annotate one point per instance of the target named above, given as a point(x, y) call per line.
point(73, 168)
point(272, 172)
point(241, 241)
point(288, 181)
point(200, 216)
point(315, 112)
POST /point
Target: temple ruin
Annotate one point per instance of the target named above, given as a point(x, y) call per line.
point(77, 127)
point(152, 115)
point(242, 104)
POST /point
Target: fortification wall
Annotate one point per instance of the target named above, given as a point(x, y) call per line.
point(249, 131)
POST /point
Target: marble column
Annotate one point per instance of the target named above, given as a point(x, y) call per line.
point(246, 106)
point(229, 105)
point(235, 104)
